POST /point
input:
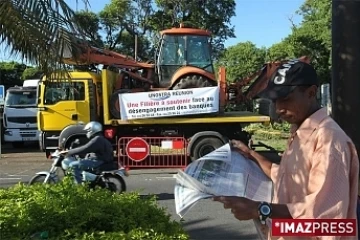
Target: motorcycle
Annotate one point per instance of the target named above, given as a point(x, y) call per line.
point(107, 176)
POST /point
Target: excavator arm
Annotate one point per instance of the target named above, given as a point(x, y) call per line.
point(86, 55)
point(236, 92)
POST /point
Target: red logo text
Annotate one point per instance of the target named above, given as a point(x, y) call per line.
point(314, 227)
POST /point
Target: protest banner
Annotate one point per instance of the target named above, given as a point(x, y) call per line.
point(156, 104)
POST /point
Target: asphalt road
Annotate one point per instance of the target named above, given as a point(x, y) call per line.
point(206, 220)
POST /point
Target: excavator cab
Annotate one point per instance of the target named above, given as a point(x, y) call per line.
point(182, 47)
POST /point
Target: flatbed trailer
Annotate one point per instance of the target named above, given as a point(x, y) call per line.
point(217, 129)
point(169, 142)
point(178, 141)
point(61, 119)
point(226, 117)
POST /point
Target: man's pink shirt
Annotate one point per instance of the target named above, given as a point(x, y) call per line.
point(318, 174)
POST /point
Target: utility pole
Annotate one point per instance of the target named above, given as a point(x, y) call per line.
point(346, 67)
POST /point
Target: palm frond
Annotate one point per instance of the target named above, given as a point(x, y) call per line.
point(39, 30)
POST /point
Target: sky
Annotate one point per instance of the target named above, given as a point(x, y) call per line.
point(263, 22)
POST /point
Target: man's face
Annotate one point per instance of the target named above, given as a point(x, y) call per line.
point(295, 107)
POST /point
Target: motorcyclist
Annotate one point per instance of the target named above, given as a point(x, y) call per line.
point(100, 148)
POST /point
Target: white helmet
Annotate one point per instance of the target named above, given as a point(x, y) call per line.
point(92, 128)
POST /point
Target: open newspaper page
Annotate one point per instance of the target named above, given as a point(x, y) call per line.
point(220, 173)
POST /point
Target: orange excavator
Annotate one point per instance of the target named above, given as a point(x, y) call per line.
point(183, 60)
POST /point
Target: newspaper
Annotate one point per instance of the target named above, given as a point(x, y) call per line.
point(222, 172)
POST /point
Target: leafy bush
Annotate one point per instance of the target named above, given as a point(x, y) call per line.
point(66, 211)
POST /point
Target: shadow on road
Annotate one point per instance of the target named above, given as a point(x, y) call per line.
point(198, 230)
point(27, 148)
point(159, 197)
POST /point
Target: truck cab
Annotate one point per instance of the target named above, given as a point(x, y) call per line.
point(63, 102)
point(19, 115)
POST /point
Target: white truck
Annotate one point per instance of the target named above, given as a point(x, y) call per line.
point(20, 110)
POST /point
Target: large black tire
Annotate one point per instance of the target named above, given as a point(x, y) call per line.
point(114, 103)
point(205, 145)
point(194, 81)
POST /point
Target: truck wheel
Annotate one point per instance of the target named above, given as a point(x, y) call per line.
point(194, 81)
point(114, 103)
point(204, 146)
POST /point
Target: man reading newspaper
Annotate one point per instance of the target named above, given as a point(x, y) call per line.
point(221, 173)
point(318, 174)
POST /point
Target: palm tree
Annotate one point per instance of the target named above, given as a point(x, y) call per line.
point(38, 30)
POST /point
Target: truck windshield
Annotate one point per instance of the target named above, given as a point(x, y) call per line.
point(179, 49)
point(63, 91)
point(198, 52)
point(21, 98)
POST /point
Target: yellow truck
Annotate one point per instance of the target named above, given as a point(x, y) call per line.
point(67, 102)
point(63, 104)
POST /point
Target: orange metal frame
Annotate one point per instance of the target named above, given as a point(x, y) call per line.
point(157, 158)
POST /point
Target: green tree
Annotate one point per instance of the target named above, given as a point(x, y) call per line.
point(208, 16)
point(123, 20)
point(311, 38)
point(242, 60)
point(90, 22)
point(37, 30)
point(31, 73)
point(280, 51)
point(11, 72)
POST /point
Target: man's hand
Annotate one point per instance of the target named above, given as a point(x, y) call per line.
point(246, 151)
point(242, 208)
point(242, 148)
point(63, 152)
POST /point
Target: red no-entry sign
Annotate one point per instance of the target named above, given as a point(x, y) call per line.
point(137, 149)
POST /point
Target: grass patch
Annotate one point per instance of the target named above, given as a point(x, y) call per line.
point(275, 136)
point(277, 144)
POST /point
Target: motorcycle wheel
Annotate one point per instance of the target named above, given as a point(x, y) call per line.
point(114, 183)
point(39, 179)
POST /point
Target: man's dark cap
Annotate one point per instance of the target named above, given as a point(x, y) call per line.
point(287, 77)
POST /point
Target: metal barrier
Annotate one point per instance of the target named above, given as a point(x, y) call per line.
point(152, 152)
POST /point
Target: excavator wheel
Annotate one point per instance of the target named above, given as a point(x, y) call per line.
point(114, 103)
point(194, 81)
